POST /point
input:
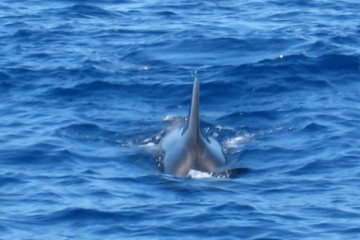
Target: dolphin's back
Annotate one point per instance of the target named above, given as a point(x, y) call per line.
point(188, 149)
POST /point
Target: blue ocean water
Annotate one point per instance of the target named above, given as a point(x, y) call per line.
point(87, 89)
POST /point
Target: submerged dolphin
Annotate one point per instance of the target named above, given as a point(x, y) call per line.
point(185, 148)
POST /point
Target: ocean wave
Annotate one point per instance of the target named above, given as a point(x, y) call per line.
point(81, 214)
point(251, 116)
point(314, 127)
point(85, 11)
point(85, 88)
point(88, 132)
point(10, 181)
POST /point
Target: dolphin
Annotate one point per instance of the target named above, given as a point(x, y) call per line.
point(185, 148)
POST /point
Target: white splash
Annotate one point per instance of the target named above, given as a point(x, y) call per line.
point(239, 141)
point(169, 118)
point(173, 118)
point(198, 174)
point(220, 128)
point(146, 68)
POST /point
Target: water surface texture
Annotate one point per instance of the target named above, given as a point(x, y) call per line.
point(86, 89)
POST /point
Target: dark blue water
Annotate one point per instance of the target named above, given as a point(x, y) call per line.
point(86, 89)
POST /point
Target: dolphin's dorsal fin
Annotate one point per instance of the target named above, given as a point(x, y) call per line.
point(193, 125)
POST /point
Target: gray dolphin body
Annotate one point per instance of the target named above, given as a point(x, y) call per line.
point(186, 148)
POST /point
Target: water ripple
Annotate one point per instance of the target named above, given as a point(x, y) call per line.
point(85, 88)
